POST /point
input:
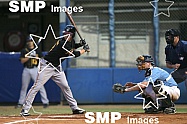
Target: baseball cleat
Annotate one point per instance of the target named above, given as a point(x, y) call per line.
point(170, 110)
point(24, 113)
point(18, 106)
point(45, 105)
point(79, 111)
point(153, 110)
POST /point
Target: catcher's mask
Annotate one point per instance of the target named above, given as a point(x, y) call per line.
point(141, 61)
point(170, 34)
point(69, 29)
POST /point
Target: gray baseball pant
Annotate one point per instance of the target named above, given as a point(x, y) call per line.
point(27, 75)
point(45, 73)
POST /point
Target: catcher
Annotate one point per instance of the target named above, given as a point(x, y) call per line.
point(161, 83)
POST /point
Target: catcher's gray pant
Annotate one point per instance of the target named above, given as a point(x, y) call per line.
point(27, 75)
point(47, 72)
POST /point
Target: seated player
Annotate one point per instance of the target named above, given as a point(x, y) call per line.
point(157, 83)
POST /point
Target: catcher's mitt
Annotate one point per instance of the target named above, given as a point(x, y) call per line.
point(118, 88)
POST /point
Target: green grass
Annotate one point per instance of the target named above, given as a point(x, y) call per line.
point(65, 109)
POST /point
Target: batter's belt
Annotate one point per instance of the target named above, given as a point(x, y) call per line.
point(30, 66)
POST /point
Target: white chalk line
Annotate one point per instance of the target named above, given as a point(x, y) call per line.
point(47, 119)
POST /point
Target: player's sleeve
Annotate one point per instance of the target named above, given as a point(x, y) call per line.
point(40, 55)
point(77, 45)
point(185, 47)
point(167, 59)
point(76, 53)
point(155, 74)
point(68, 47)
point(22, 54)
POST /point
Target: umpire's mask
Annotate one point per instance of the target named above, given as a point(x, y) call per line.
point(170, 34)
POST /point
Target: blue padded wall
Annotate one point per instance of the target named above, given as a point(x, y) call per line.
point(95, 85)
point(89, 85)
point(123, 75)
point(10, 80)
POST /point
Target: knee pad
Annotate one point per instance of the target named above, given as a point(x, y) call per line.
point(157, 87)
point(162, 91)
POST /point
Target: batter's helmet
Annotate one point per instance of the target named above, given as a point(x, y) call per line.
point(141, 61)
point(170, 34)
point(70, 29)
point(29, 39)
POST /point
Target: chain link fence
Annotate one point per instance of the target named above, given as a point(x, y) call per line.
point(134, 32)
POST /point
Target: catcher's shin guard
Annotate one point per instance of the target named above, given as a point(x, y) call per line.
point(151, 109)
point(147, 99)
point(168, 106)
point(118, 88)
point(167, 102)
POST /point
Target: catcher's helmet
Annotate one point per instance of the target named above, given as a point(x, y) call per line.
point(69, 29)
point(141, 61)
point(170, 34)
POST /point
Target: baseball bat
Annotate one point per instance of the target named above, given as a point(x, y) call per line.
point(73, 23)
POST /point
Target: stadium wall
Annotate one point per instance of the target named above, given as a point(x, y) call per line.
point(89, 85)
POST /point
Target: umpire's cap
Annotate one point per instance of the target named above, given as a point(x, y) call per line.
point(70, 29)
point(173, 32)
point(170, 34)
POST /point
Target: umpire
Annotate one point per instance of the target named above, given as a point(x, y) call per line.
point(176, 55)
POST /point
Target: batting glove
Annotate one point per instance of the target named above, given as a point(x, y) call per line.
point(82, 42)
point(86, 48)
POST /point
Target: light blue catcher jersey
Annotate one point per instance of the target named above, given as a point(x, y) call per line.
point(160, 74)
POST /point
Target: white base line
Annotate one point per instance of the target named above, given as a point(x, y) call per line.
point(19, 121)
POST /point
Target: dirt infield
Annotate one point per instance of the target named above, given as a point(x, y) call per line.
point(126, 118)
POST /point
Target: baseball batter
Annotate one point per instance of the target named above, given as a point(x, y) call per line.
point(49, 67)
point(30, 72)
point(163, 84)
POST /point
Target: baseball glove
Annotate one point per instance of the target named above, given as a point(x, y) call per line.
point(118, 88)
